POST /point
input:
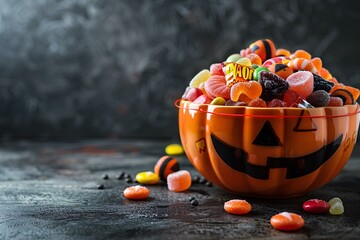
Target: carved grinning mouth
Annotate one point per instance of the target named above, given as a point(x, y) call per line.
point(237, 159)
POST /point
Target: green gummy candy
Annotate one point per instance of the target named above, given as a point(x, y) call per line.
point(336, 209)
point(233, 57)
point(257, 70)
point(335, 200)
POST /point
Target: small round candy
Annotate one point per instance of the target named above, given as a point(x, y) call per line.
point(244, 61)
point(202, 76)
point(255, 59)
point(174, 149)
point(336, 209)
point(258, 70)
point(179, 181)
point(166, 165)
point(281, 70)
point(136, 192)
point(237, 206)
point(147, 178)
point(217, 69)
point(218, 101)
point(316, 206)
point(335, 102)
point(335, 200)
point(319, 98)
point(286, 221)
point(301, 82)
point(233, 57)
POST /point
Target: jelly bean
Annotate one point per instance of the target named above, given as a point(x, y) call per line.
point(147, 178)
point(319, 98)
point(271, 61)
point(136, 192)
point(280, 52)
point(252, 89)
point(281, 70)
point(316, 206)
point(203, 99)
point(202, 76)
point(217, 69)
point(233, 57)
point(218, 101)
point(166, 165)
point(244, 61)
point(273, 86)
point(232, 103)
point(317, 62)
point(335, 200)
point(322, 84)
point(254, 58)
point(258, 70)
point(265, 48)
point(174, 149)
point(336, 209)
point(193, 94)
point(276, 103)
point(215, 86)
point(302, 64)
point(301, 54)
point(286, 221)
point(301, 82)
point(179, 181)
point(257, 102)
point(335, 102)
point(345, 95)
point(237, 206)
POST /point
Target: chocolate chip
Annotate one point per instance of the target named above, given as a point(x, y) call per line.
point(191, 198)
point(208, 184)
point(202, 180)
point(120, 175)
point(100, 186)
point(195, 179)
point(194, 202)
point(126, 175)
point(128, 180)
point(105, 177)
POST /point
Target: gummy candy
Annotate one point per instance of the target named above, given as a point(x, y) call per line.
point(244, 61)
point(193, 93)
point(218, 101)
point(203, 99)
point(179, 181)
point(215, 86)
point(237, 206)
point(317, 62)
point(345, 95)
point(273, 86)
point(245, 52)
point(166, 165)
point(354, 91)
point(322, 84)
point(287, 221)
point(217, 69)
point(324, 73)
point(265, 48)
point(174, 149)
point(336, 209)
point(302, 64)
point(258, 70)
point(301, 82)
point(335, 200)
point(280, 52)
point(254, 58)
point(271, 61)
point(252, 89)
point(335, 102)
point(202, 76)
point(136, 192)
point(316, 206)
point(257, 102)
point(233, 57)
point(281, 70)
point(319, 98)
point(292, 98)
point(276, 103)
point(147, 178)
point(301, 54)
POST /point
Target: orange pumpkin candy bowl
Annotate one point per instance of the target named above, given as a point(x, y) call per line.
point(268, 152)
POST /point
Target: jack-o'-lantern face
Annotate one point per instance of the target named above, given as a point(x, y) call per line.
point(268, 152)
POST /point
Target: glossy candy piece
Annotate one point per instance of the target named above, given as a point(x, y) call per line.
point(147, 178)
point(271, 61)
point(286, 221)
point(317, 62)
point(335, 200)
point(282, 70)
point(136, 192)
point(237, 206)
point(345, 95)
point(302, 64)
point(324, 73)
point(217, 69)
point(193, 93)
point(258, 70)
point(316, 206)
point(354, 91)
point(335, 102)
point(265, 48)
point(319, 98)
point(301, 54)
point(281, 52)
point(174, 149)
point(233, 57)
point(322, 84)
point(251, 89)
point(179, 181)
point(203, 99)
point(254, 58)
point(218, 101)
point(202, 76)
point(336, 209)
point(215, 86)
point(291, 98)
point(301, 82)
point(244, 61)
point(273, 86)
point(165, 166)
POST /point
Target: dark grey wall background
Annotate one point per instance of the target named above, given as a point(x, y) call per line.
point(84, 68)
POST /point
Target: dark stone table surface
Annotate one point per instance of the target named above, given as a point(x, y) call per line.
point(50, 191)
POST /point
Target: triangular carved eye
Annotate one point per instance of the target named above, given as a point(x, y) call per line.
point(304, 123)
point(267, 136)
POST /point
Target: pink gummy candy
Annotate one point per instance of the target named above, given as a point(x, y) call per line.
point(179, 181)
point(301, 82)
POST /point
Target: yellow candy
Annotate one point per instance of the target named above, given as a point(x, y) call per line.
point(147, 178)
point(174, 149)
point(233, 57)
point(199, 78)
point(244, 61)
point(218, 101)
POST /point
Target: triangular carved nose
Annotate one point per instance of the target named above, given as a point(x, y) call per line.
point(267, 136)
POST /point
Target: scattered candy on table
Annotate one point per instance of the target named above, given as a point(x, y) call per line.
point(147, 178)
point(316, 206)
point(179, 181)
point(336, 206)
point(287, 221)
point(237, 206)
point(166, 165)
point(174, 149)
point(136, 192)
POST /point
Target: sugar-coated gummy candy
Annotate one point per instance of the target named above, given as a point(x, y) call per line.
point(345, 95)
point(179, 181)
point(258, 70)
point(354, 91)
point(147, 178)
point(257, 102)
point(302, 64)
point(252, 89)
point(336, 209)
point(322, 84)
point(301, 54)
point(281, 52)
point(233, 57)
point(202, 76)
point(217, 69)
point(287, 221)
point(316, 206)
point(244, 61)
point(254, 58)
point(291, 98)
point(237, 103)
point(174, 149)
point(335, 102)
point(265, 48)
point(317, 62)
point(319, 98)
point(271, 61)
point(193, 93)
point(218, 101)
point(136, 192)
point(273, 86)
point(324, 73)
point(215, 86)
point(203, 99)
point(301, 82)
point(282, 70)
point(237, 206)
point(165, 166)
point(276, 103)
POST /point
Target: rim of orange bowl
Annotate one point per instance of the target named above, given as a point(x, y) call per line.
point(177, 104)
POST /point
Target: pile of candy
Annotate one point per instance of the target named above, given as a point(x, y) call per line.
point(263, 76)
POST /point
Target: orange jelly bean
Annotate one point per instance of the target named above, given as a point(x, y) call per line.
point(252, 89)
point(136, 192)
point(237, 206)
point(286, 221)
